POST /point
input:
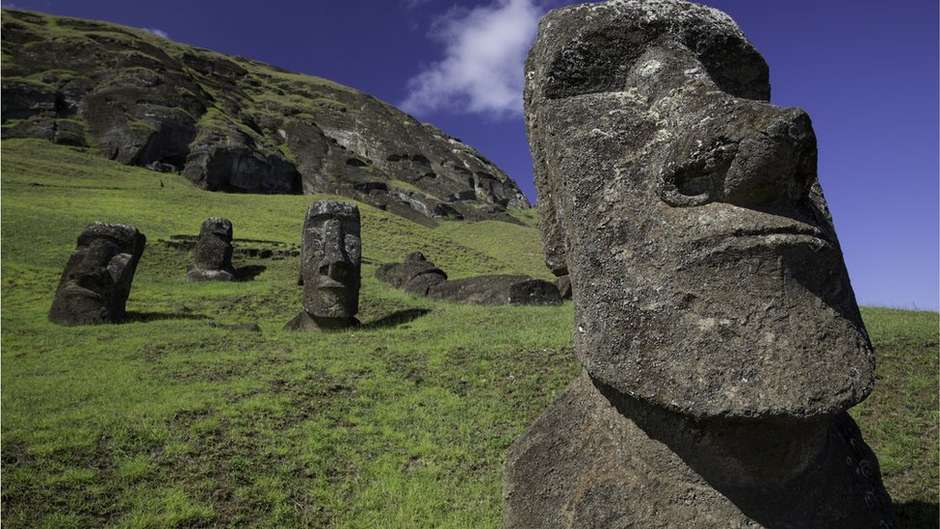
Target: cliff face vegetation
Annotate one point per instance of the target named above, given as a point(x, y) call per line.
point(233, 124)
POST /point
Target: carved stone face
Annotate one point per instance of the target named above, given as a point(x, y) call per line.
point(332, 255)
point(97, 278)
point(706, 272)
point(214, 249)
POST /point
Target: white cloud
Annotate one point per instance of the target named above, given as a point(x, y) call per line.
point(484, 56)
point(158, 32)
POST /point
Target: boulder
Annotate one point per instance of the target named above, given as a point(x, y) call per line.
point(97, 278)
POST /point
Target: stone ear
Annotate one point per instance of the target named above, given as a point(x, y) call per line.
point(554, 240)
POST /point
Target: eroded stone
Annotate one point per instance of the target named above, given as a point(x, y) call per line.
point(212, 256)
point(97, 278)
point(331, 259)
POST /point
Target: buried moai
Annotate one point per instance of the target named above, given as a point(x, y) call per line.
point(212, 255)
point(97, 278)
point(331, 258)
point(719, 334)
point(419, 276)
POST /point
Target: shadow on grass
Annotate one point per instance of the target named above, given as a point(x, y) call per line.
point(161, 316)
point(395, 318)
point(248, 273)
point(917, 515)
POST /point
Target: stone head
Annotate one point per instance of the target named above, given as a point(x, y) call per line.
point(706, 272)
point(97, 278)
point(213, 250)
point(217, 227)
point(332, 257)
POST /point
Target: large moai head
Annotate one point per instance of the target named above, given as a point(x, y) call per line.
point(331, 260)
point(97, 279)
point(706, 272)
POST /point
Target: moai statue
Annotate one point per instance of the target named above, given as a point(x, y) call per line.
point(416, 275)
point(97, 279)
point(719, 334)
point(212, 256)
point(331, 258)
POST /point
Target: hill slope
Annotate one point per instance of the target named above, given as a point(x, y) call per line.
point(403, 423)
point(233, 124)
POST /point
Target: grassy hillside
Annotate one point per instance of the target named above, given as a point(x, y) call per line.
point(168, 422)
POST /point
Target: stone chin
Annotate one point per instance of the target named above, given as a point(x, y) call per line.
point(335, 300)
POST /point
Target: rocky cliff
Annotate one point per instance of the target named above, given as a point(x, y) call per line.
point(233, 124)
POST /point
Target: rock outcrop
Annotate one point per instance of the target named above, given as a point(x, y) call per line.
point(719, 334)
point(234, 124)
point(97, 278)
point(331, 260)
point(419, 276)
point(212, 256)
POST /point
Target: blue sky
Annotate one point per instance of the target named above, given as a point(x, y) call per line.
point(865, 70)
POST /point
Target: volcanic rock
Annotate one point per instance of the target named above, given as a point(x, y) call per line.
point(233, 124)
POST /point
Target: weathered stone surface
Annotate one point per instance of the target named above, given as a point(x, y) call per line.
point(415, 275)
point(497, 290)
point(331, 259)
point(596, 461)
point(212, 256)
point(419, 276)
point(668, 187)
point(233, 124)
point(97, 278)
point(714, 317)
point(564, 286)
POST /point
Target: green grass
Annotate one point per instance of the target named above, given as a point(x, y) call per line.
point(168, 422)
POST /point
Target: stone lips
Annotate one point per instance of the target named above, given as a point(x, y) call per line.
point(688, 212)
point(212, 255)
point(232, 124)
point(97, 278)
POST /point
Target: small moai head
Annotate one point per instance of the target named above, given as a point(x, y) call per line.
point(706, 272)
point(97, 278)
point(332, 258)
point(213, 250)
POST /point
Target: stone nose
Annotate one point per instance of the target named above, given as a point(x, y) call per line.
point(768, 159)
point(773, 163)
point(333, 261)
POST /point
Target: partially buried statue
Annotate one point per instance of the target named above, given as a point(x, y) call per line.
point(97, 278)
point(331, 258)
point(719, 334)
point(212, 256)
